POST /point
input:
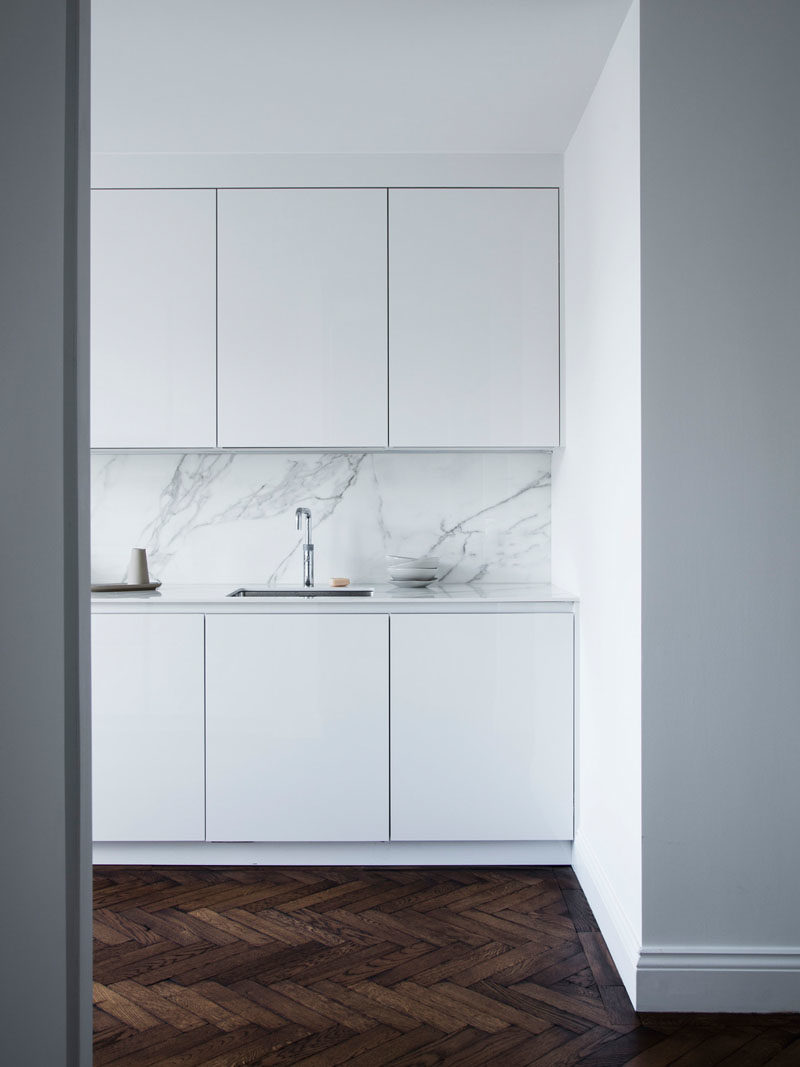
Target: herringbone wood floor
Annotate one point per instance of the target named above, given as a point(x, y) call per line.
point(227, 967)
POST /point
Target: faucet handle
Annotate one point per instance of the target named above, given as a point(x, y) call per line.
point(300, 514)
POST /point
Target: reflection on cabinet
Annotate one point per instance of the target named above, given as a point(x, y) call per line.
point(147, 728)
point(473, 318)
point(297, 727)
point(302, 318)
point(481, 733)
point(153, 318)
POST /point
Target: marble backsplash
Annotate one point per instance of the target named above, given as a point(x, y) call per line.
point(229, 517)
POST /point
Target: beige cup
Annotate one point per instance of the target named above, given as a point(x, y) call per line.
point(138, 573)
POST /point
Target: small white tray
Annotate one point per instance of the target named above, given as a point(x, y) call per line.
point(124, 587)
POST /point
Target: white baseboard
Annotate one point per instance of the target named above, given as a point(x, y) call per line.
point(734, 979)
point(615, 926)
point(687, 978)
point(344, 854)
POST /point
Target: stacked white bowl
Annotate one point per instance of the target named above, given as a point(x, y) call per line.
point(410, 572)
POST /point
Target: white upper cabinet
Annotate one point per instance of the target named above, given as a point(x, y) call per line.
point(153, 318)
point(280, 318)
point(474, 318)
point(302, 318)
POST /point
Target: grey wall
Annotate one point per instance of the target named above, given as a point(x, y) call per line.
point(720, 85)
point(44, 890)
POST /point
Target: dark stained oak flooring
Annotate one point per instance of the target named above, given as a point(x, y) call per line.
point(369, 967)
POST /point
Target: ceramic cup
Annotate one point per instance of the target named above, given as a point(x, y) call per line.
point(138, 573)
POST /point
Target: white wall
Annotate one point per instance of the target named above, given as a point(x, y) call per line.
point(357, 92)
point(721, 504)
point(45, 888)
point(354, 76)
point(596, 499)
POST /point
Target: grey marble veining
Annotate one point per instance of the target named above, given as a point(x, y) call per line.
point(230, 516)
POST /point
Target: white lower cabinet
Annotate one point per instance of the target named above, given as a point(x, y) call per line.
point(481, 731)
point(147, 727)
point(302, 733)
point(297, 713)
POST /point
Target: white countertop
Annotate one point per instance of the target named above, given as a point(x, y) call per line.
point(214, 597)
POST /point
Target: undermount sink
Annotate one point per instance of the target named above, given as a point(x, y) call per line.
point(303, 592)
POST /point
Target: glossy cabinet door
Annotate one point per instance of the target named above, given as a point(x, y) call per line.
point(147, 728)
point(481, 735)
point(473, 318)
point(153, 318)
point(302, 318)
point(297, 727)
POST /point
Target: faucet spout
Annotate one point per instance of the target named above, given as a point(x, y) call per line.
point(304, 515)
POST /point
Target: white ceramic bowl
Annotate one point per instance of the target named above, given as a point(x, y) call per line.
point(412, 574)
point(409, 584)
point(426, 562)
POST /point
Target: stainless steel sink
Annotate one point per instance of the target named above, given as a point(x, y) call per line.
point(303, 592)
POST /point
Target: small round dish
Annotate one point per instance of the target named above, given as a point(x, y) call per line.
point(412, 584)
point(412, 574)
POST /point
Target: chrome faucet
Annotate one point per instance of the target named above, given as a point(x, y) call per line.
point(308, 548)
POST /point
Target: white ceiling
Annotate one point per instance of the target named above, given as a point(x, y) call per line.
point(340, 76)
